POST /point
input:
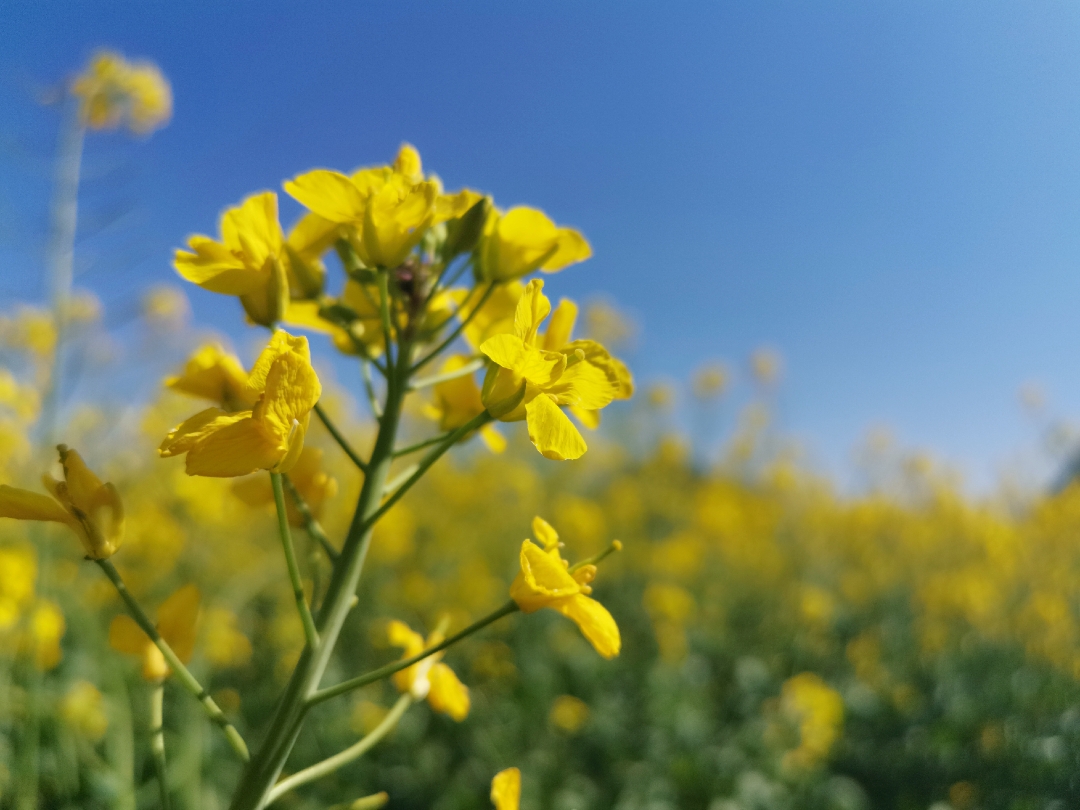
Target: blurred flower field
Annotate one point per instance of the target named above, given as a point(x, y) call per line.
point(779, 643)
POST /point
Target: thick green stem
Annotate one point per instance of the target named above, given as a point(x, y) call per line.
point(355, 751)
point(310, 634)
point(183, 675)
point(339, 438)
point(385, 672)
point(157, 741)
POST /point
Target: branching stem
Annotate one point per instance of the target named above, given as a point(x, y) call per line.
point(310, 633)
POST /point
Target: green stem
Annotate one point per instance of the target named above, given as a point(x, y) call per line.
point(310, 634)
point(183, 675)
point(435, 379)
point(157, 741)
point(384, 313)
point(339, 438)
point(372, 802)
point(311, 524)
point(369, 389)
point(388, 670)
point(400, 478)
point(355, 751)
point(454, 335)
point(616, 545)
point(412, 448)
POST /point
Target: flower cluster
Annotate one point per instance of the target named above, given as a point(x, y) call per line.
point(112, 91)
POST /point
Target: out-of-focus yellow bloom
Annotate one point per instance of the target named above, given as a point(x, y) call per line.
point(270, 436)
point(224, 644)
point(527, 380)
point(82, 708)
point(92, 509)
point(248, 262)
point(568, 714)
point(386, 209)
point(545, 581)
point(176, 622)
point(765, 365)
point(710, 381)
point(506, 789)
point(496, 316)
point(112, 91)
point(819, 711)
point(214, 374)
point(31, 329)
point(457, 401)
point(430, 678)
point(522, 240)
point(42, 637)
point(166, 306)
point(314, 485)
point(18, 572)
point(22, 400)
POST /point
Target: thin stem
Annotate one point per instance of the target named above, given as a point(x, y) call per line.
point(311, 525)
point(384, 313)
point(385, 672)
point(310, 633)
point(183, 674)
point(369, 389)
point(372, 802)
point(435, 379)
point(157, 741)
point(452, 437)
point(616, 545)
point(454, 335)
point(412, 448)
point(400, 478)
point(355, 751)
point(339, 438)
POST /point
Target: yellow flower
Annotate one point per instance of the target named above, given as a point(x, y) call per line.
point(456, 402)
point(18, 571)
point(315, 486)
point(270, 436)
point(818, 710)
point(386, 209)
point(568, 714)
point(429, 678)
point(506, 789)
point(214, 374)
point(82, 708)
point(248, 262)
point(176, 622)
point(496, 316)
point(42, 638)
point(81, 501)
point(112, 90)
point(546, 581)
point(528, 380)
point(522, 240)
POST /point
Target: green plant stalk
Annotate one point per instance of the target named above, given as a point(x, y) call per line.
point(311, 525)
point(385, 672)
point(339, 438)
point(353, 752)
point(183, 674)
point(310, 634)
point(157, 741)
point(435, 379)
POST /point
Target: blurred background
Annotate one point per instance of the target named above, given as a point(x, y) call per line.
point(837, 245)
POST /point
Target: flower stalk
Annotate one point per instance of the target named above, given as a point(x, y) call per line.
point(310, 633)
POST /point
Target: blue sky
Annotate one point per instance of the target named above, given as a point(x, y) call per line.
point(888, 193)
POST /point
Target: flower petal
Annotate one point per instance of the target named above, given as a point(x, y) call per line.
point(126, 636)
point(572, 248)
point(177, 617)
point(543, 579)
point(595, 622)
point(532, 308)
point(331, 195)
point(234, 449)
point(447, 694)
point(216, 268)
point(561, 325)
point(506, 789)
point(511, 352)
point(22, 504)
point(551, 431)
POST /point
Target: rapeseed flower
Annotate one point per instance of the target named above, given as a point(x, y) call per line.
point(429, 678)
point(42, 637)
point(176, 622)
point(384, 210)
point(545, 580)
point(521, 240)
point(91, 509)
point(112, 91)
point(457, 402)
point(82, 708)
point(249, 261)
point(18, 572)
point(506, 789)
point(818, 710)
point(528, 380)
point(270, 436)
point(214, 374)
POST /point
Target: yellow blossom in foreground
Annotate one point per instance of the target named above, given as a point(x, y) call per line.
point(522, 240)
point(429, 678)
point(112, 91)
point(177, 617)
point(314, 485)
point(527, 380)
point(456, 402)
point(270, 436)
point(214, 374)
point(81, 501)
point(248, 262)
point(546, 581)
point(386, 210)
point(82, 708)
point(506, 789)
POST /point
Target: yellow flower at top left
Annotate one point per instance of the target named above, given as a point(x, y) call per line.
point(112, 91)
point(81, 501)
point(269, 436)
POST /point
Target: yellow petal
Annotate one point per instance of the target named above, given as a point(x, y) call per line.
point(411, 642)
point(595, 622)
point(214, 374)
point(511, 352)
point(236, 449)
point(255, 490)
point(106, 515)
point(516, 243)
point(295, 443)
point(447, 694)
point(589, 419)
point(254, 224)
point(494, 440)
point(331, 195)
point(561, 325)
point(545, 533)
point(532, 308)
point(551, 431)
point(126, 636)
point(281, 343)
point(407, 163)
point(452, 206)
point(496, 316)
point(395, 221)
point(22, 504)
point(617, 372)
point(543, 579)
point(305, 315)
point(215, 268)
point(82, 484)
point(291, 390)
point(154, 666)
point(584, 385)
point(177, 617)
point(195, 428)
point(572, 248)
point(506, 789)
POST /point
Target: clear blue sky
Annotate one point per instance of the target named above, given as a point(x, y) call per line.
point(887, 192)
